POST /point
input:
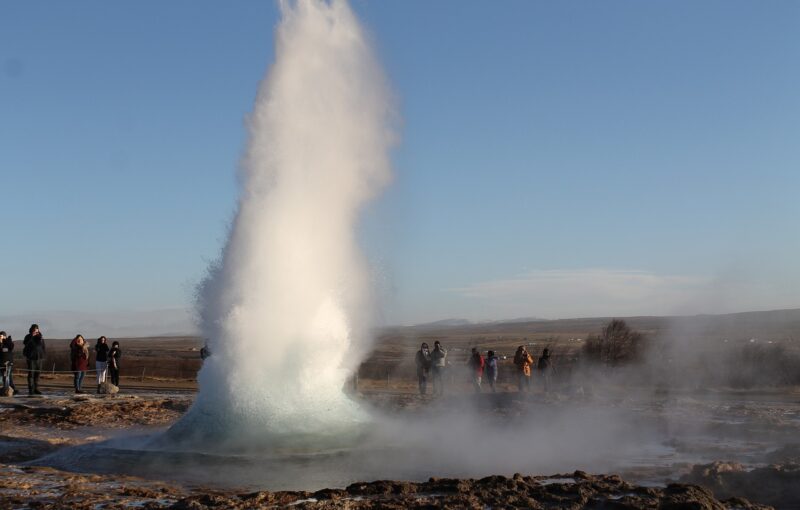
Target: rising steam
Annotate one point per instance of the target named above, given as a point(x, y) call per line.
point(286, 307)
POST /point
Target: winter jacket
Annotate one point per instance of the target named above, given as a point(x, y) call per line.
point(7, 354)
point(491, 367)
point(34, 346)
point(476, 363)
point(101, 352)
point(114, 356)
point(544, 362)
point(438, 357)
point(523, 360)
point(78, 357)
point(423, 360)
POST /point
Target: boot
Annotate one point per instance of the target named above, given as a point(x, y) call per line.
point(98, 388)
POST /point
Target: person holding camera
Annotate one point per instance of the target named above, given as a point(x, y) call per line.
point(34, 351)
point(523, 361)
point(7, 364)
point(423, 360)
point(438, 364)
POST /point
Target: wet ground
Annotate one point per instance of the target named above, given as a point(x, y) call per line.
point(735, 444)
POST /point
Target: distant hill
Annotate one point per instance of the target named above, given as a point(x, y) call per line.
point(766, 325)
point(67, 324)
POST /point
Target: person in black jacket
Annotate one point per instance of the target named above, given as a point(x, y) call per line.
point(34, 352)
point(114, 356)
point(101, 361)
point(423, 361)
point(7, 362)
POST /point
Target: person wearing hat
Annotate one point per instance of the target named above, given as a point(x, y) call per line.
point(34, 351)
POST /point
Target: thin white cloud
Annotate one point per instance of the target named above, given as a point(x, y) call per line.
point(604, 292)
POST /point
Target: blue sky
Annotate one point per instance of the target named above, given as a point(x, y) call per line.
point(557, 159)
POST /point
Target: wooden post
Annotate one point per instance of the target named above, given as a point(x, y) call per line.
point(54, 368)
point(143, 369)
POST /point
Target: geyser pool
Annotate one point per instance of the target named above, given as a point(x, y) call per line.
point(286, 308)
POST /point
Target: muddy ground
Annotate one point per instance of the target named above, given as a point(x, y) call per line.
point(45, 488)
point(33, 427)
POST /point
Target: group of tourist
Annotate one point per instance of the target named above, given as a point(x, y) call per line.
point(432, 364)
point(107, 361)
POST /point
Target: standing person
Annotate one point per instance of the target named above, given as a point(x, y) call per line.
point(545, 366)
point(438, 364)
point(491, 370)
point(34, 351)
point(205, 351)
point(523, 361)
point(114, 356)
point(476, 365)
point(101, 360)
point(423, 360)
point(7, 362)
point(79, 361)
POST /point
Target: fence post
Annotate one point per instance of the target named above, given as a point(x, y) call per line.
point(143, 369)
point(54, 369)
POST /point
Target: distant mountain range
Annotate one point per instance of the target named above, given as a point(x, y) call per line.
point(783, 324)
point(180, 322)
point(66, 324)
point(467, 322)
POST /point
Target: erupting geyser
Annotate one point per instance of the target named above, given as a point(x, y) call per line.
point(286, 307)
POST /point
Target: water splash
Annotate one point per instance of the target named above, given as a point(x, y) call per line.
point(287, 306)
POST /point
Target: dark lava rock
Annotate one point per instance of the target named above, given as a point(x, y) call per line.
point(777, 485)
point(47, 488)
point(788, 453)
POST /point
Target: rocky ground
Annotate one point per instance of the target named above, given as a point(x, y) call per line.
point(32, 427)
point(776, 484)
point(45, 488)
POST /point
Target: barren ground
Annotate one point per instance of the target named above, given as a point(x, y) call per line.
point(158, 386)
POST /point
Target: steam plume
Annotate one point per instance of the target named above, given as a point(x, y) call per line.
point(286, 308)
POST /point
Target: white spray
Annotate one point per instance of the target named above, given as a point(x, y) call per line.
point(287, 307)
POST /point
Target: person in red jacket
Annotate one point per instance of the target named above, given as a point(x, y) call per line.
point(79, 361)
point(476, 364)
